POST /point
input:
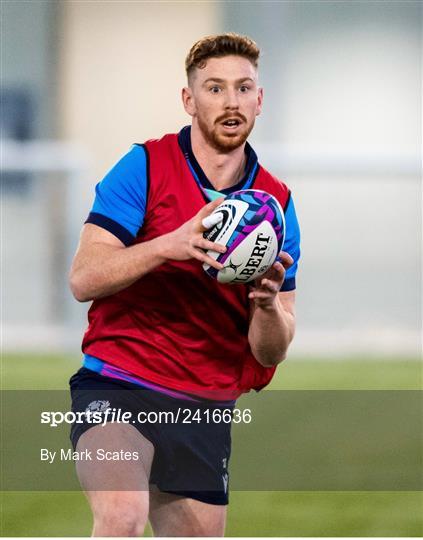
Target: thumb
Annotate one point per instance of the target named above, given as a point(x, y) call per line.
point(208, 208)
point(285, 259)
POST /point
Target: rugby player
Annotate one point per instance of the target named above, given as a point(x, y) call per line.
point(162, 334)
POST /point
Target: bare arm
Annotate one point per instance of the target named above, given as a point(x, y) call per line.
point(272, 322)
point(103, 265)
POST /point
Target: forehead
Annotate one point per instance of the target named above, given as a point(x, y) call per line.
point(227, 68)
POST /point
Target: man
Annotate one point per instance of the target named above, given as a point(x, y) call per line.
point(161, 331)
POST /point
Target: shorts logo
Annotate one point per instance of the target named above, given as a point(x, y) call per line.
point(98, 405)
point(225, 478)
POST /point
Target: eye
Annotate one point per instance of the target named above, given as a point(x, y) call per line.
point(244, 88)
point(214, 89)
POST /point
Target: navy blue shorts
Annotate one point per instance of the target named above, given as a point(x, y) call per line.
point(191, 439)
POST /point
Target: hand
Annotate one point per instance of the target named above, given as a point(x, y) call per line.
point(266, 287)
point(187, 241)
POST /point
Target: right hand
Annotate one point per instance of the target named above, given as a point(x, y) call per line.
point(187, 242)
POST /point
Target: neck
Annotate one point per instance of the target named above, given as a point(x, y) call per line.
point(222, 169)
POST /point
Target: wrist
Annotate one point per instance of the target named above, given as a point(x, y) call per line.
point(160, 249)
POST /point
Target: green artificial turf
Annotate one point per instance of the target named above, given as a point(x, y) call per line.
point(251, 513)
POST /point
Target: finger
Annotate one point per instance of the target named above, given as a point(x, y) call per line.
point(204, 258)
point(202, 243)
point(278, 270)
point(212, 220)
point(285, 259)
point(276, 273)
point(270, 286)
point(260, 295)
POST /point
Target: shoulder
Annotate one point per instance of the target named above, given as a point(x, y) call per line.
point(166, 141)
point(131, 164)
point(130, 168)
point(135, 154)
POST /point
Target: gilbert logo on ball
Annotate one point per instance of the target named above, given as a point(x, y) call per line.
point(252, 227)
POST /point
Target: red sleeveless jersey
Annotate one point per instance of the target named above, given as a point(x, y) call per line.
point(176, 326)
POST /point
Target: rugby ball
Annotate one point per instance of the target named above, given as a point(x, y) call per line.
point(252, 227)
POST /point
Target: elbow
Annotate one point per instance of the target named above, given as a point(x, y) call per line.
point(269, 360)
point(272, 362)
point(77, 288)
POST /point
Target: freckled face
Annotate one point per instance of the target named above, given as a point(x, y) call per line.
point(224, 99)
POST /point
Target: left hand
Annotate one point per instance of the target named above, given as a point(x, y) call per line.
point(266, 287)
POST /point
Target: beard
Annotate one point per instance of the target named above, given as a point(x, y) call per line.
point(225, 142)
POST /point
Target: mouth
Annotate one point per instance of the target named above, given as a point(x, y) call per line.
point(231, 124)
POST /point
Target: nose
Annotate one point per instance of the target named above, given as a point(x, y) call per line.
point(231, 99)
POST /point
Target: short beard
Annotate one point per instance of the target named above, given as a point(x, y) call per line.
point(221, 143)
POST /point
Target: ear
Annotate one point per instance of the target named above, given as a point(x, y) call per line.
point(188, 100)
point(259, 101)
